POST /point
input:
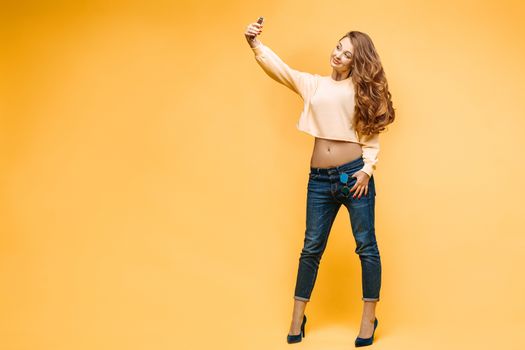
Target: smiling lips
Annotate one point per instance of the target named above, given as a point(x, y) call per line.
point(336, 61)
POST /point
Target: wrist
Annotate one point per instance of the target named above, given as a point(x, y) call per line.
point(253, 42)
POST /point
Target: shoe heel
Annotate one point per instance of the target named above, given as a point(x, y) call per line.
point(366, 341)
point(303, 325)
point(297, 338)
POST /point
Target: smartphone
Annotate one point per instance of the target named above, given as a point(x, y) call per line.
point(260, 20)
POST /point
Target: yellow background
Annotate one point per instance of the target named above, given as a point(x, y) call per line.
point(153, 184)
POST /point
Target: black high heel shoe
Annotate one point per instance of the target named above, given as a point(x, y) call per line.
point(297, 338)
point(366, 341)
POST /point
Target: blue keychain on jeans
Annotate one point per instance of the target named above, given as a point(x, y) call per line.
point(344, 179)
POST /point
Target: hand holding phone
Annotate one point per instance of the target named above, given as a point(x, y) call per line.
point(254, 29)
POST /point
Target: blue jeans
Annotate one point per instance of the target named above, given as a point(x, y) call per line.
point(324, 198)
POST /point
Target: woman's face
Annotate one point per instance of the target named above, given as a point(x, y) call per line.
point(341, 57)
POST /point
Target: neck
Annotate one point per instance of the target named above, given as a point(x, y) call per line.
point(340, 75)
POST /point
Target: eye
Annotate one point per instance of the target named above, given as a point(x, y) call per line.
point(348, 55)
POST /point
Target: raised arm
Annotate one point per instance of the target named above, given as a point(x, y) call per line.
point(302, 83)
point(370, 147)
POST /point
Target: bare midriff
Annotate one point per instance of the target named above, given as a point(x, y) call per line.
point(330, 153)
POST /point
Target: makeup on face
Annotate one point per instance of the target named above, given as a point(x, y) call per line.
point(335, 54)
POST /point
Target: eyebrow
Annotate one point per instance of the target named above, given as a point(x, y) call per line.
point(339, 43)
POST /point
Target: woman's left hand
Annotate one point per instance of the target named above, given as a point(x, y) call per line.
point(361, 184)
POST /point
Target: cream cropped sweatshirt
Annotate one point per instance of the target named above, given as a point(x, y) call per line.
point(328, 104)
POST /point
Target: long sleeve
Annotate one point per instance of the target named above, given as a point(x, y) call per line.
point(302, 83)
point(370, 147)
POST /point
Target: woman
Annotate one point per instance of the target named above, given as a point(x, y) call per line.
point(345, 112)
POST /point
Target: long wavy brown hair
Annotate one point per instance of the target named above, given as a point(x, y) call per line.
point(373, 104)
